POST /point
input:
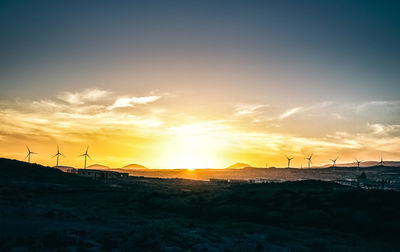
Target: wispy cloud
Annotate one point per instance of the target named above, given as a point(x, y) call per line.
point(93, 116)
point(87, 95)
point(86, 111)
point(247, 109)
point(337, 116)
point(290, 113)
point(125, 102)
point(366, 105)
point(384, 129)
point(312, 108)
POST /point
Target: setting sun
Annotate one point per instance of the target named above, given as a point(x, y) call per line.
point(192, 146)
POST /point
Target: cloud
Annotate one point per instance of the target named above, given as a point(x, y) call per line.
point(247, 109)
point(290, 113)
point(366, 105)
point(86, 111)
point(384, 129)
point(131, 101)
point(49, 118)
point(317, 106)
point(337, 116)
point(87, 95)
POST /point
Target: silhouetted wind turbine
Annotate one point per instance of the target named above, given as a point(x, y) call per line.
point(58, 154)
point(288, 161)
point(358, 163)
point(334, 161)
point(86, 155)
point(29, 154)
point(309, 160)
point(381, 163)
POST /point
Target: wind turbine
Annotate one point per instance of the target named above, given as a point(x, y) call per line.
point(309, 160)
point(288, 161)
point(358, 162)
point(334, 161)
point(29, 154)
point(58, 154)
point(381, 163)
point(86, 155)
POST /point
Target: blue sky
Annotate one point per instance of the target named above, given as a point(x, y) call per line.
point(281, 65)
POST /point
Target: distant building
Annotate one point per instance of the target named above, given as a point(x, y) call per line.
point(238, 181)
point(67, 169)
point(99, 174)
point(218, 181)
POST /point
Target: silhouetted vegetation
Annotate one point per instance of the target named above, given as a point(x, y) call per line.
point(45, 209)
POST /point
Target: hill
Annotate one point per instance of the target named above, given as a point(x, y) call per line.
point(14, 170)
point(98, 167)
point(43, 209)
point(134, 167)
point(238, 166)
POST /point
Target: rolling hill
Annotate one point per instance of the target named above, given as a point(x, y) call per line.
point(98, 167)
point(134, 167)
point(238, 166)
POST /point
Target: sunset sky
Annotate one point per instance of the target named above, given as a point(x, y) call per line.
point(200, 84)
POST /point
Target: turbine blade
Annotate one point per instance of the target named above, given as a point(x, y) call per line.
point(62, 155)
point(28, 148)
point(89, 157)
point(27, 156)
point(54, 156)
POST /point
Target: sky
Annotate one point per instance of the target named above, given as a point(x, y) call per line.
point(200, 84)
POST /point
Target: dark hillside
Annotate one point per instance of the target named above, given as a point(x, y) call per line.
point(45, 209)
point(21, 171)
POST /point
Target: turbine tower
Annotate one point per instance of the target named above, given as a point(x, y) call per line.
point(334, 161)
point(288, 161)
point(29, 154)
point(309, 160)
point(381, 163)
point(358, 163)
point(58, 154)
point(86, 155)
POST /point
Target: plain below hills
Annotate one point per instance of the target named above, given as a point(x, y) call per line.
point(44, 209)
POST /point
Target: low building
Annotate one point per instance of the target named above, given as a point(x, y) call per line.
point(218, 181)
point(100, 174)
point(67, 169)
point(238, 181)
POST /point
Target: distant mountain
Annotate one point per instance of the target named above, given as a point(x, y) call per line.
point(97, 167)
point(134, 167)
point(238, 166)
